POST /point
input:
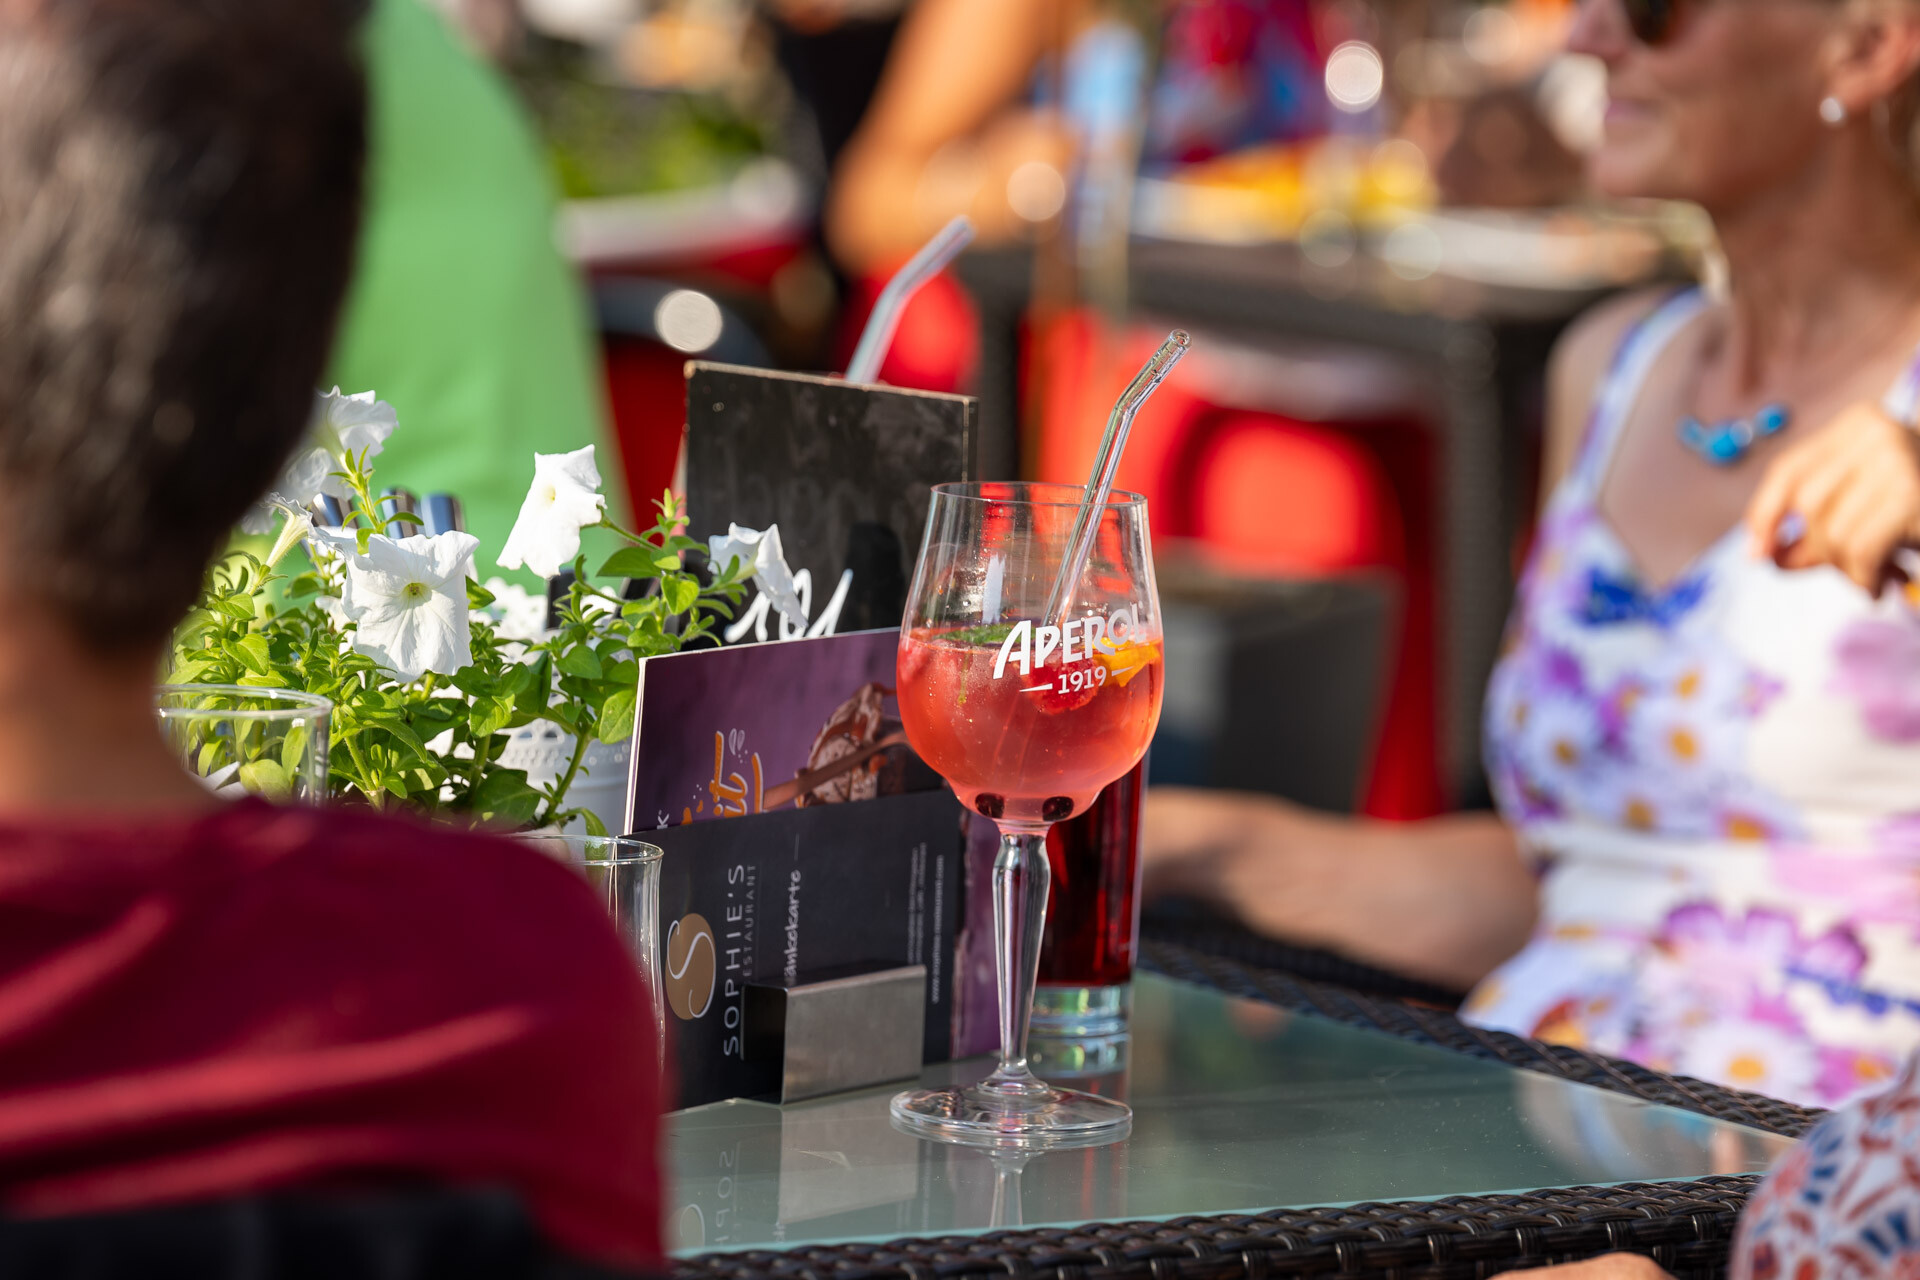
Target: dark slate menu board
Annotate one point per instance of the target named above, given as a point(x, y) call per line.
point(844, 470)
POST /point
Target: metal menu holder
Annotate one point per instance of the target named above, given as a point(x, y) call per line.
point(843, 469)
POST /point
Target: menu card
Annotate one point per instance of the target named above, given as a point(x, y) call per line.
point(724, 733)
point(779, 896)
point(839, 846)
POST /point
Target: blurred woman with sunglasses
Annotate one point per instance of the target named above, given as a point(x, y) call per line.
point(1704, 730)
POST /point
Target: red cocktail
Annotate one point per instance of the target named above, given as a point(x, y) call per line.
point(1032, 743)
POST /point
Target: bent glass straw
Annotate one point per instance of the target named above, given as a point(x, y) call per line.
point(1100, 483)
point(934, 255)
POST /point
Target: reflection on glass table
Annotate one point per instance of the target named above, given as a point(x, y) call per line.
point(1238, 1106)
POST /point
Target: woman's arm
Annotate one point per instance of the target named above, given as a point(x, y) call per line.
point(947, 129)
point(1446, 899)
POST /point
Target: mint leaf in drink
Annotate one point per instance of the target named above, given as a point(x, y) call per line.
point(991, 634)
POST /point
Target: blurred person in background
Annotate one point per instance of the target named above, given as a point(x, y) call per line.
point(833, 53)
point(463, 314)
point(1032, 117)
point(1703, 732)
point(965, 111)
point(204, 999)
point(1002, 109)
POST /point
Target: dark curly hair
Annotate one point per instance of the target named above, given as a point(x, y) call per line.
point(180, 187)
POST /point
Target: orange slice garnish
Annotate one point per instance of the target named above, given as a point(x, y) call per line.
point(1128, 660)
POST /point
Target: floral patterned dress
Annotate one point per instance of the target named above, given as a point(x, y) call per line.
point(1720, 777)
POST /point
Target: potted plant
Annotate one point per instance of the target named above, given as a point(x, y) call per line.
point(429, 672)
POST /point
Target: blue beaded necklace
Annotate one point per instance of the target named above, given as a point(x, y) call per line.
point(1725, 443)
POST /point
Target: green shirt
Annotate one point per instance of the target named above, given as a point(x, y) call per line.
point(463, 315)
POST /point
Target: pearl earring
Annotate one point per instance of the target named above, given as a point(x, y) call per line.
point(1833, 111)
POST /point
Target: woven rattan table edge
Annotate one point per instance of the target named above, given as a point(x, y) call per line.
point(1434, 1026)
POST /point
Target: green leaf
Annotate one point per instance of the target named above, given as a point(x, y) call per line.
point(430, 719)
point(293, 748)
point(531, 701)
point(503, 796)
point(591, 821)
point(633, 562)
point(392, 724)
point(680, 592)
point(474, 682)
point(266, 778)
point(580, 662)
point(515, 680)
point(192, 670)
point(489, 716)
point(478, 597)
point(991, 634)
point(616, 716)
point(251, 652)
point(237, 607)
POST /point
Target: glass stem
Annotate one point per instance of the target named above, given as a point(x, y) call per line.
point(1020, 878)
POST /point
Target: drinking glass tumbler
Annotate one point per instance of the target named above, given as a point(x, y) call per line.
point(246, 741)
point(1093, 916)
point(624, 874)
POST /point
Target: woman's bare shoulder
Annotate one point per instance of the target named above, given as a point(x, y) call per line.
point(1580, 360)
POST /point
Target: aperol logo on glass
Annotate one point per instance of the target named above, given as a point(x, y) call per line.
point(1078, 656)
point(691, 966)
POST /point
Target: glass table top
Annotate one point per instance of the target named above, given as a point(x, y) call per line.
point(1238, 1106)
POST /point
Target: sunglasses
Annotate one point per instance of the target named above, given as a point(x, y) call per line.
point(1652, 21)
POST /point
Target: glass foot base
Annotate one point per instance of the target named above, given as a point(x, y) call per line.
point(1081, 1011)
point(1034, 1118)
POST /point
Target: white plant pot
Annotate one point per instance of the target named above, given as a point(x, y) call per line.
point(543, 750)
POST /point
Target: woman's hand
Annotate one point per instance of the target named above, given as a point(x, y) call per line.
point(1608, 1266)
point(1854, 487)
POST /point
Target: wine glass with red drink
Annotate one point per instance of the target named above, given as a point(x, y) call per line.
point(1029, 682)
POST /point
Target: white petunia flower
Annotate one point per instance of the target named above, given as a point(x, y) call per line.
point(407, 599)
point(565, 498)
point(341, 424)
point(292, 533)
point(760, 553)
point(516, 613)
point(258, 518)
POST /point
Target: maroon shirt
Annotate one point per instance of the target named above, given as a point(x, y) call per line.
point(261, 998)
